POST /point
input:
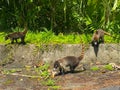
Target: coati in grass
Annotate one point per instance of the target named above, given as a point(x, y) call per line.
point(69, 61)
point(16, 35)
point(98, 37)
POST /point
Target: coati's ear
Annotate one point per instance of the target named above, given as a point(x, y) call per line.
point(56, 64)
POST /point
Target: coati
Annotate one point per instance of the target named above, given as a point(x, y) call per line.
point(69, 61)
point(17, 35)
point(98, 37)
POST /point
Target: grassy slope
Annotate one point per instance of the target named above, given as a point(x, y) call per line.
point(48, 37)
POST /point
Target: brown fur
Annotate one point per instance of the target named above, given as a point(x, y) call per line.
point(69, 61)
point(98, 37)
point(17, 35)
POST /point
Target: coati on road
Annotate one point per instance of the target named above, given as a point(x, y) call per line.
point(16, 35)
point(98, 37)
point(69, 61)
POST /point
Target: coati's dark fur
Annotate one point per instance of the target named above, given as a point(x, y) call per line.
point(98, 37)
point(16, 35)
point(69, 61)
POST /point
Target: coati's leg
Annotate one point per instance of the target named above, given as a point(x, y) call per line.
point(22, 40)
point(16, 40)
point(72, 68)
point(62, 70)
point(101, 39)
point(92, 43)
point(12, 40)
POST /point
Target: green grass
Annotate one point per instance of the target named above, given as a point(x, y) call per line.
point(42, 71)
point(105, 67)
point(2, 35)
point(47, 80)
point(48, 37)
point(94, 68)
point(109, 67)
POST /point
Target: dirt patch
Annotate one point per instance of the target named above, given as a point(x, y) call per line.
point(89, 80)
point(83, 80)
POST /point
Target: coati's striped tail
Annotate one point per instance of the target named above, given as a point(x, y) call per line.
point(107, 33)
point(82, 52)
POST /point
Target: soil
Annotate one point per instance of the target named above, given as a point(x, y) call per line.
point(90, 80)
point(80, 80)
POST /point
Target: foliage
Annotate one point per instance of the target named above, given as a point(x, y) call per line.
point(49, 82)
point(102, 68)
point(2, 37)
point(41, 74)
point(108, 67)
point(65, 16)
point(49, 37)
point(94, 68)
point(5, 71)
point(43, 71)
point(45, 74)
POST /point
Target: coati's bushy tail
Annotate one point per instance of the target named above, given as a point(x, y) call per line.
point(82, 52)
point(102, 31)
point(107, 33)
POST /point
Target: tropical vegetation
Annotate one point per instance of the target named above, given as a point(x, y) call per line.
point(61, 16)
